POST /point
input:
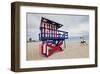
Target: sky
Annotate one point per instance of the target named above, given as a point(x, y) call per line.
point(75, 25)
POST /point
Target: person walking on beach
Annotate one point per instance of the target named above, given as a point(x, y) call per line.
point(83, 41)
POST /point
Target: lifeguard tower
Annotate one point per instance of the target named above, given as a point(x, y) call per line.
point(52, 38)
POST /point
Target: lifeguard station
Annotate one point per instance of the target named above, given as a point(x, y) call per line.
point(52, 38)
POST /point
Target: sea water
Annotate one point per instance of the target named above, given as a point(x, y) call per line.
point(76, 39)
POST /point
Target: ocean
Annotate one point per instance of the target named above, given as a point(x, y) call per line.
point(77, 39)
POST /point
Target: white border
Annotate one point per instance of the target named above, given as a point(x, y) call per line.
point(63, 62)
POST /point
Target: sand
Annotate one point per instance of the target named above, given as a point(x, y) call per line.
point(73, 50)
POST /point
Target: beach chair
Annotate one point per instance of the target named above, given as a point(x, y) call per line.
point(52, 38)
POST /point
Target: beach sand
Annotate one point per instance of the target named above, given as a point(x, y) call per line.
point(73, 50)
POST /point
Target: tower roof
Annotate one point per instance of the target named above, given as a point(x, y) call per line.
point(51, 22)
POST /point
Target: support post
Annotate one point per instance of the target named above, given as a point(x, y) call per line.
point(65, 43)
